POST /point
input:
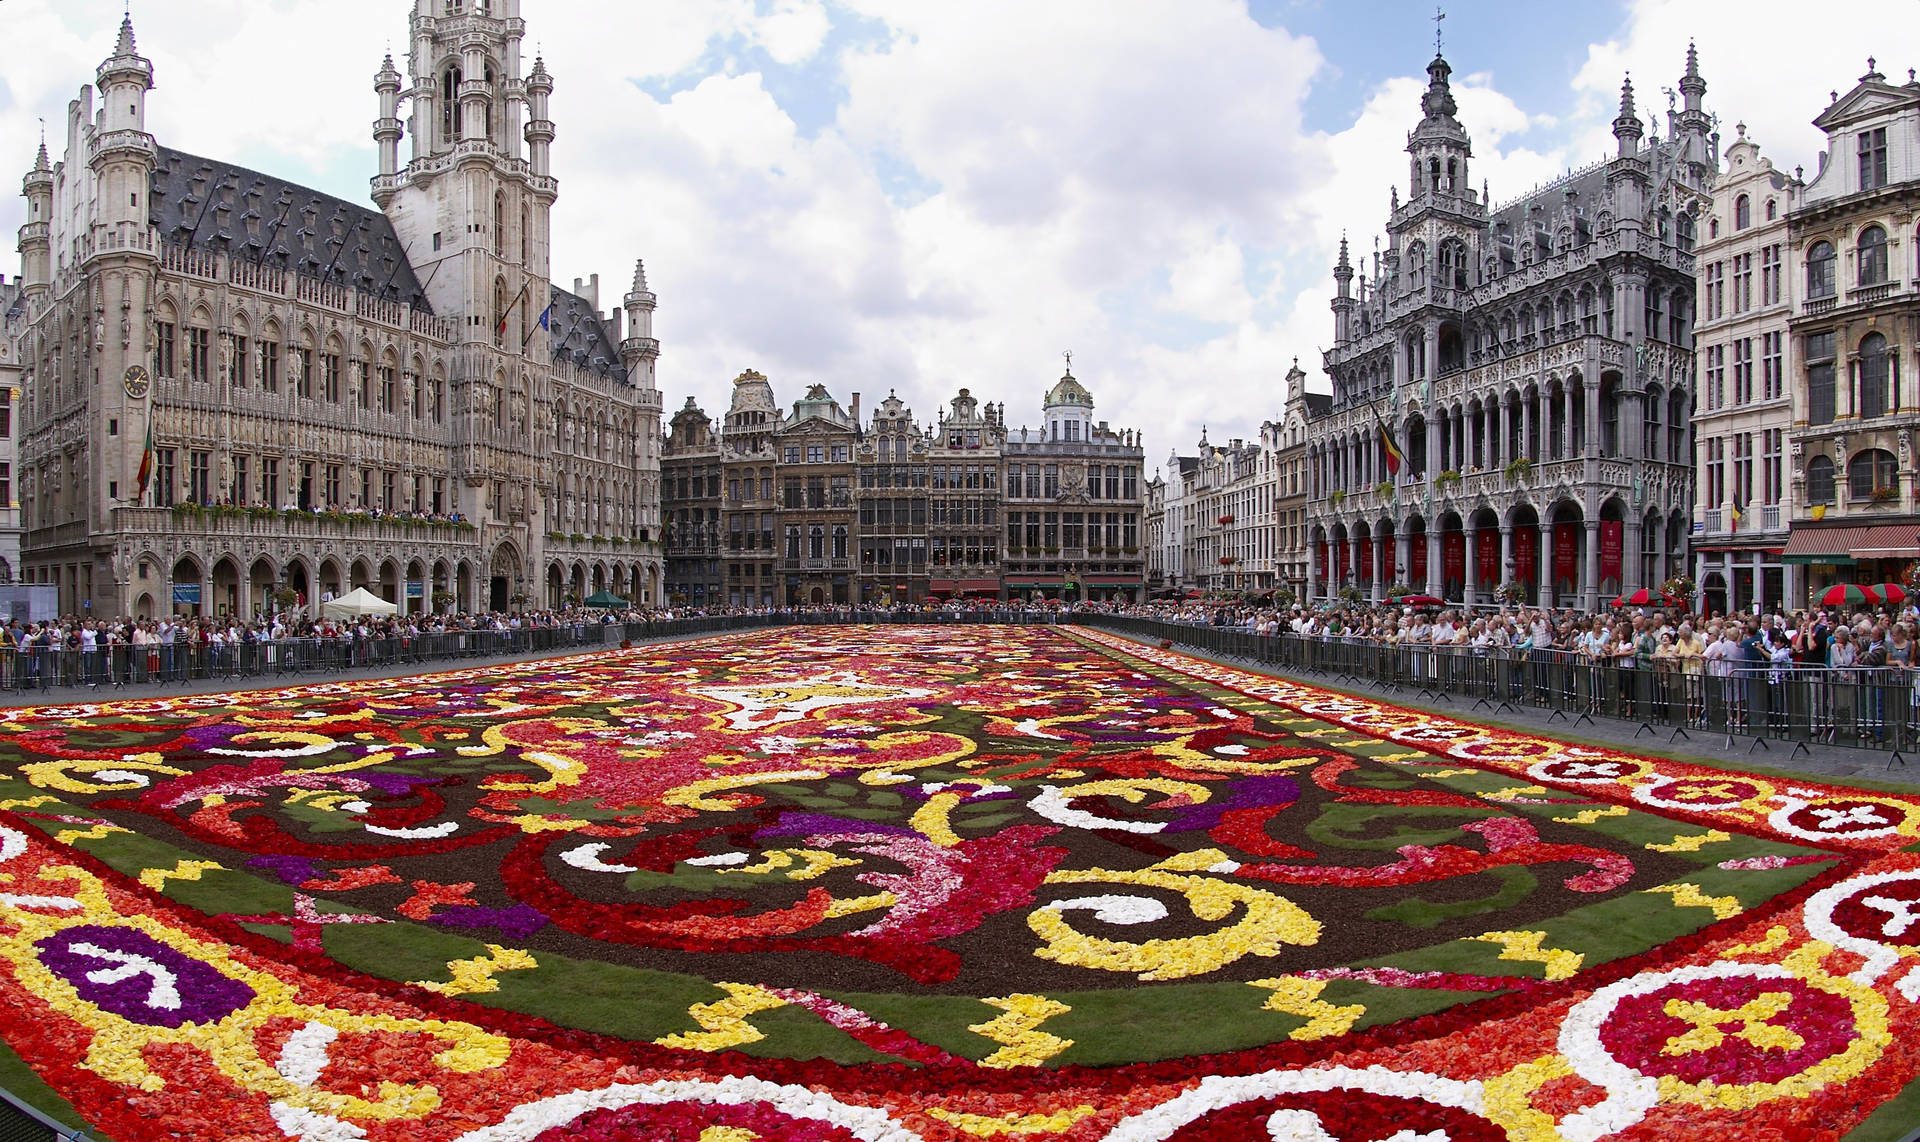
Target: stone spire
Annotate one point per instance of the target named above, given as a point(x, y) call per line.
point(1438, 102)
point(40, 161)
point(1693, 85)
point(640, 277)
point(126, 46)
point(1626, 126)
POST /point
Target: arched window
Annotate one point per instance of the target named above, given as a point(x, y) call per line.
point(1417, 266)
point(1870, 473)
point(1820, 480)
point(450, 106)
point(1872, 253)
point(499, 222)
point(1742, 212)
point(1773, 210)
point(1878, 394)
point(1820, 270)
point(499, 311)
point(1713, 227)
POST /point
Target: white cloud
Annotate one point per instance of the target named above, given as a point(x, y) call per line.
point(996, 181)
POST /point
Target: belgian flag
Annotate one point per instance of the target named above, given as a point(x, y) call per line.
point(1395, 457)
point(146, 465)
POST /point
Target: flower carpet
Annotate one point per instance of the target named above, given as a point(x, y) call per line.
point(931, 883)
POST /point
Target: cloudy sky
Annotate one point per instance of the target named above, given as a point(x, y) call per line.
point(924, 194)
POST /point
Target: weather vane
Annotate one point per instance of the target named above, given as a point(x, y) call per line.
point(1438, 16)
point(1068, 354)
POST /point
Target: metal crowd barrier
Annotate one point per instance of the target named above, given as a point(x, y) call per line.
point(44, 668)
point(20, 1122)
point(919, 618)
point(1861, 707)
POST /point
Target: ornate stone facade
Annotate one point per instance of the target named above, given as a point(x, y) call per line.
point(816, 446)
point(1855, 239)
point(1074, 502)
point(690, 481)
point(206, 347)
point(963, 510)
point(752, 506)
point(1535, 365)
point(1743, 504)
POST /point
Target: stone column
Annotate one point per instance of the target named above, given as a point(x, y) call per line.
point(1313, 572)
point(1402, 547)
point(1431, 358)
point(1506, 550)
point(1434, 569)
point(1526, 430)
point(1590, 571)
point(1632, 567)
point(1378, 571)
point(1472, 581)
point(1543, 565)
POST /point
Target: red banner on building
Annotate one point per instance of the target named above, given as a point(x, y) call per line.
point(1417, 558)
point(1345, 564)
point(1366, 561)
point(1453, 556)
point(1320, 560)
point(1386, 559)
point(1613, 538)
point(1566, 554)
point(1526, 561)
point(1486, 558)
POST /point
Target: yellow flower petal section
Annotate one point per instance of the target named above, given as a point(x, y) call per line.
point(1025, 1046)
point(1270, 921)
point(984, 1126)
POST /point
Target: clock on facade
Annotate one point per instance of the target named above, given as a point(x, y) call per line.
point(137, 381)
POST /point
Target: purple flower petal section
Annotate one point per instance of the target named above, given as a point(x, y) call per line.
point(518, 921)
point(131, 974)
point(290, 869)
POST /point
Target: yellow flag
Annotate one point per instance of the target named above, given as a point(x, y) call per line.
point(1819, 511)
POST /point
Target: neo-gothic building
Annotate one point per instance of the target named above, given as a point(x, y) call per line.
point(335, 396)
point(1535, 364)
point(690, 476)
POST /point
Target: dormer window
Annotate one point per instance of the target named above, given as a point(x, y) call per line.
point(1742, 212)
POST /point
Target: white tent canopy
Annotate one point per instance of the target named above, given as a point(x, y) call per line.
point(356, 603)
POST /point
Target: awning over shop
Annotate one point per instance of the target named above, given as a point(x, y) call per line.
point(1849, 545)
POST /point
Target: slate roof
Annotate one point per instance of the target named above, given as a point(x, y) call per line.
point(211, 205)
point(1319, 404)
point(577, 334)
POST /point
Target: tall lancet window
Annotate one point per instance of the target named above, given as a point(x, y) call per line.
point(450, 106)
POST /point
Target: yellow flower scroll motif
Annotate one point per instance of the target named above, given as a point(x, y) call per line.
point(1024, 1044)
point(1689, 896)
point(1293, 995)
point(1268, 921)
point(990, 1126)
point(476, 976)
point(1525, 947)
point(154, 878)
point(117, 1051)
point(723, 1023)
point(98, 775)
point(1712, 1026)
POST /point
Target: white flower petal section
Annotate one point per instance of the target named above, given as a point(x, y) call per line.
point(312, 1126)
point(1056, 806)
point(304, 1056)
point(530, 1120)
point(1297, 1126)
point(716, 859)
point(1115, 909)
point(587, 858)
point(1031, 728)
point(423, 833)
point(122, 777)
point(64, 903)
point(1217, 1092)
point(1880, 957)
point(12, 843)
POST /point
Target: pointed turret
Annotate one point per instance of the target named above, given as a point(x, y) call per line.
point(36, 241)
point(126, 46)
point(1343, 302)
point(539, 132)
point(1693, 127)
point(386, 129)
point(640, 350)
point(1626, 126)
